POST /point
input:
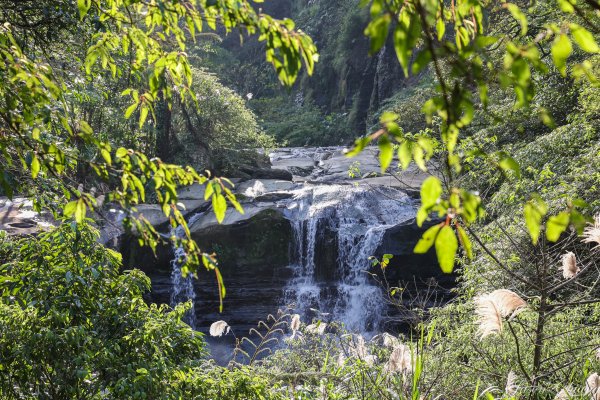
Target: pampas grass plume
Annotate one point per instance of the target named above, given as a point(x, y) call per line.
point(511, 384)
point(569, 265)
point(400, 360)
point(358, 347)
point(591, 234)
point(390, 341)
point(492, 307)
point(565, 394)
point(592, 386)
point(218, 328)
point(295, 323)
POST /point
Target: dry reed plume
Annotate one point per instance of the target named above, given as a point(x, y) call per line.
point(218, 328)
point(400, 360)
point(569, 265)
point(591, 234)
point(592, 386)
point(491, 308)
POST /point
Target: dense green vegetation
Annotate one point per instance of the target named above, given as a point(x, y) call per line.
point(498, 101)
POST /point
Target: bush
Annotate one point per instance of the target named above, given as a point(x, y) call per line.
point(73, 326)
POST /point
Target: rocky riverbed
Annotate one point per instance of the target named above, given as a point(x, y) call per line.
point(304, 240)
point(310, 224)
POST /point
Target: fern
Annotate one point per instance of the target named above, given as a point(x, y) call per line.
point(267, 336)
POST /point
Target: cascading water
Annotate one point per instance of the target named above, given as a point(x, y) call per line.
point(356, 219)
point(182, 287)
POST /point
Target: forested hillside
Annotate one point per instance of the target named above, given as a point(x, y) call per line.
point(463, 137)
point(345, 93)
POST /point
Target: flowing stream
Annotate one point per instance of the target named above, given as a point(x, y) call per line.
point(182, 287)
point(337, 225)
point(354, 220)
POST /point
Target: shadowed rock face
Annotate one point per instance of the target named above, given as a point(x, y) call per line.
point(253, 259)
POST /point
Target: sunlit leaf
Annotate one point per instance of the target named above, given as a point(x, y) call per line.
point(534, 211)
point(386, 152)
point(561, 50)
point(446, 246)
point(219, 206)
point(427, 240)
point(556, 225)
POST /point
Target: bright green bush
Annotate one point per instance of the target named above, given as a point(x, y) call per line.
point(73, 326)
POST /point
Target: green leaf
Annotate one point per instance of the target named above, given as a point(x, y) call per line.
point(69, 208)
point(121, 152)
point(405, 154)
point(106, 155)
point(427, 240)
point(377, 31)
point(219, 206)
point(222, 291)
point(566, 6)
point(388, 116)
point(561, 50)
point(406, 34)
point(465, 241)
point(386, 152)
point(519, 16)
point(131, 109)
point(440, 27)
point(584, 39)
point(143, 116)
point(556, 225)
point(80, 210)
point(84, 7)
point(359, 146)
point(35, 166)
point(446, 246)
point(508, 163)
point(421, 61)
point(431, 189)
point(534, 211)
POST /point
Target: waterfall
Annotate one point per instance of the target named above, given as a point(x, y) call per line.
point(355, 219)
point(182, 288)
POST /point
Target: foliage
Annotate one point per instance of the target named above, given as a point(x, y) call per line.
point(215, 134)
point(73, 326)
point(475, 55)
point(144, 42)
point(299, 124)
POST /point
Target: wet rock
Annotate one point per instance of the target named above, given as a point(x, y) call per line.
point(207, 219)
point(301, 171)
point(274, 196)
point(405, 265)
point(17, 217)
point(253, 260)
point(258, 187)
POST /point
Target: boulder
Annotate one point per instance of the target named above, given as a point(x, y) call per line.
point(17, 217)
point(253, 259)
point(207, 219)
point(153, 213)
point(258, 187)
point(405, 265)
point(301, 171)
point(192, 192)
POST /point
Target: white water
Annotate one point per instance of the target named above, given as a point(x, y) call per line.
point(358, 217)
point(353, 218)
point(182, 287)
